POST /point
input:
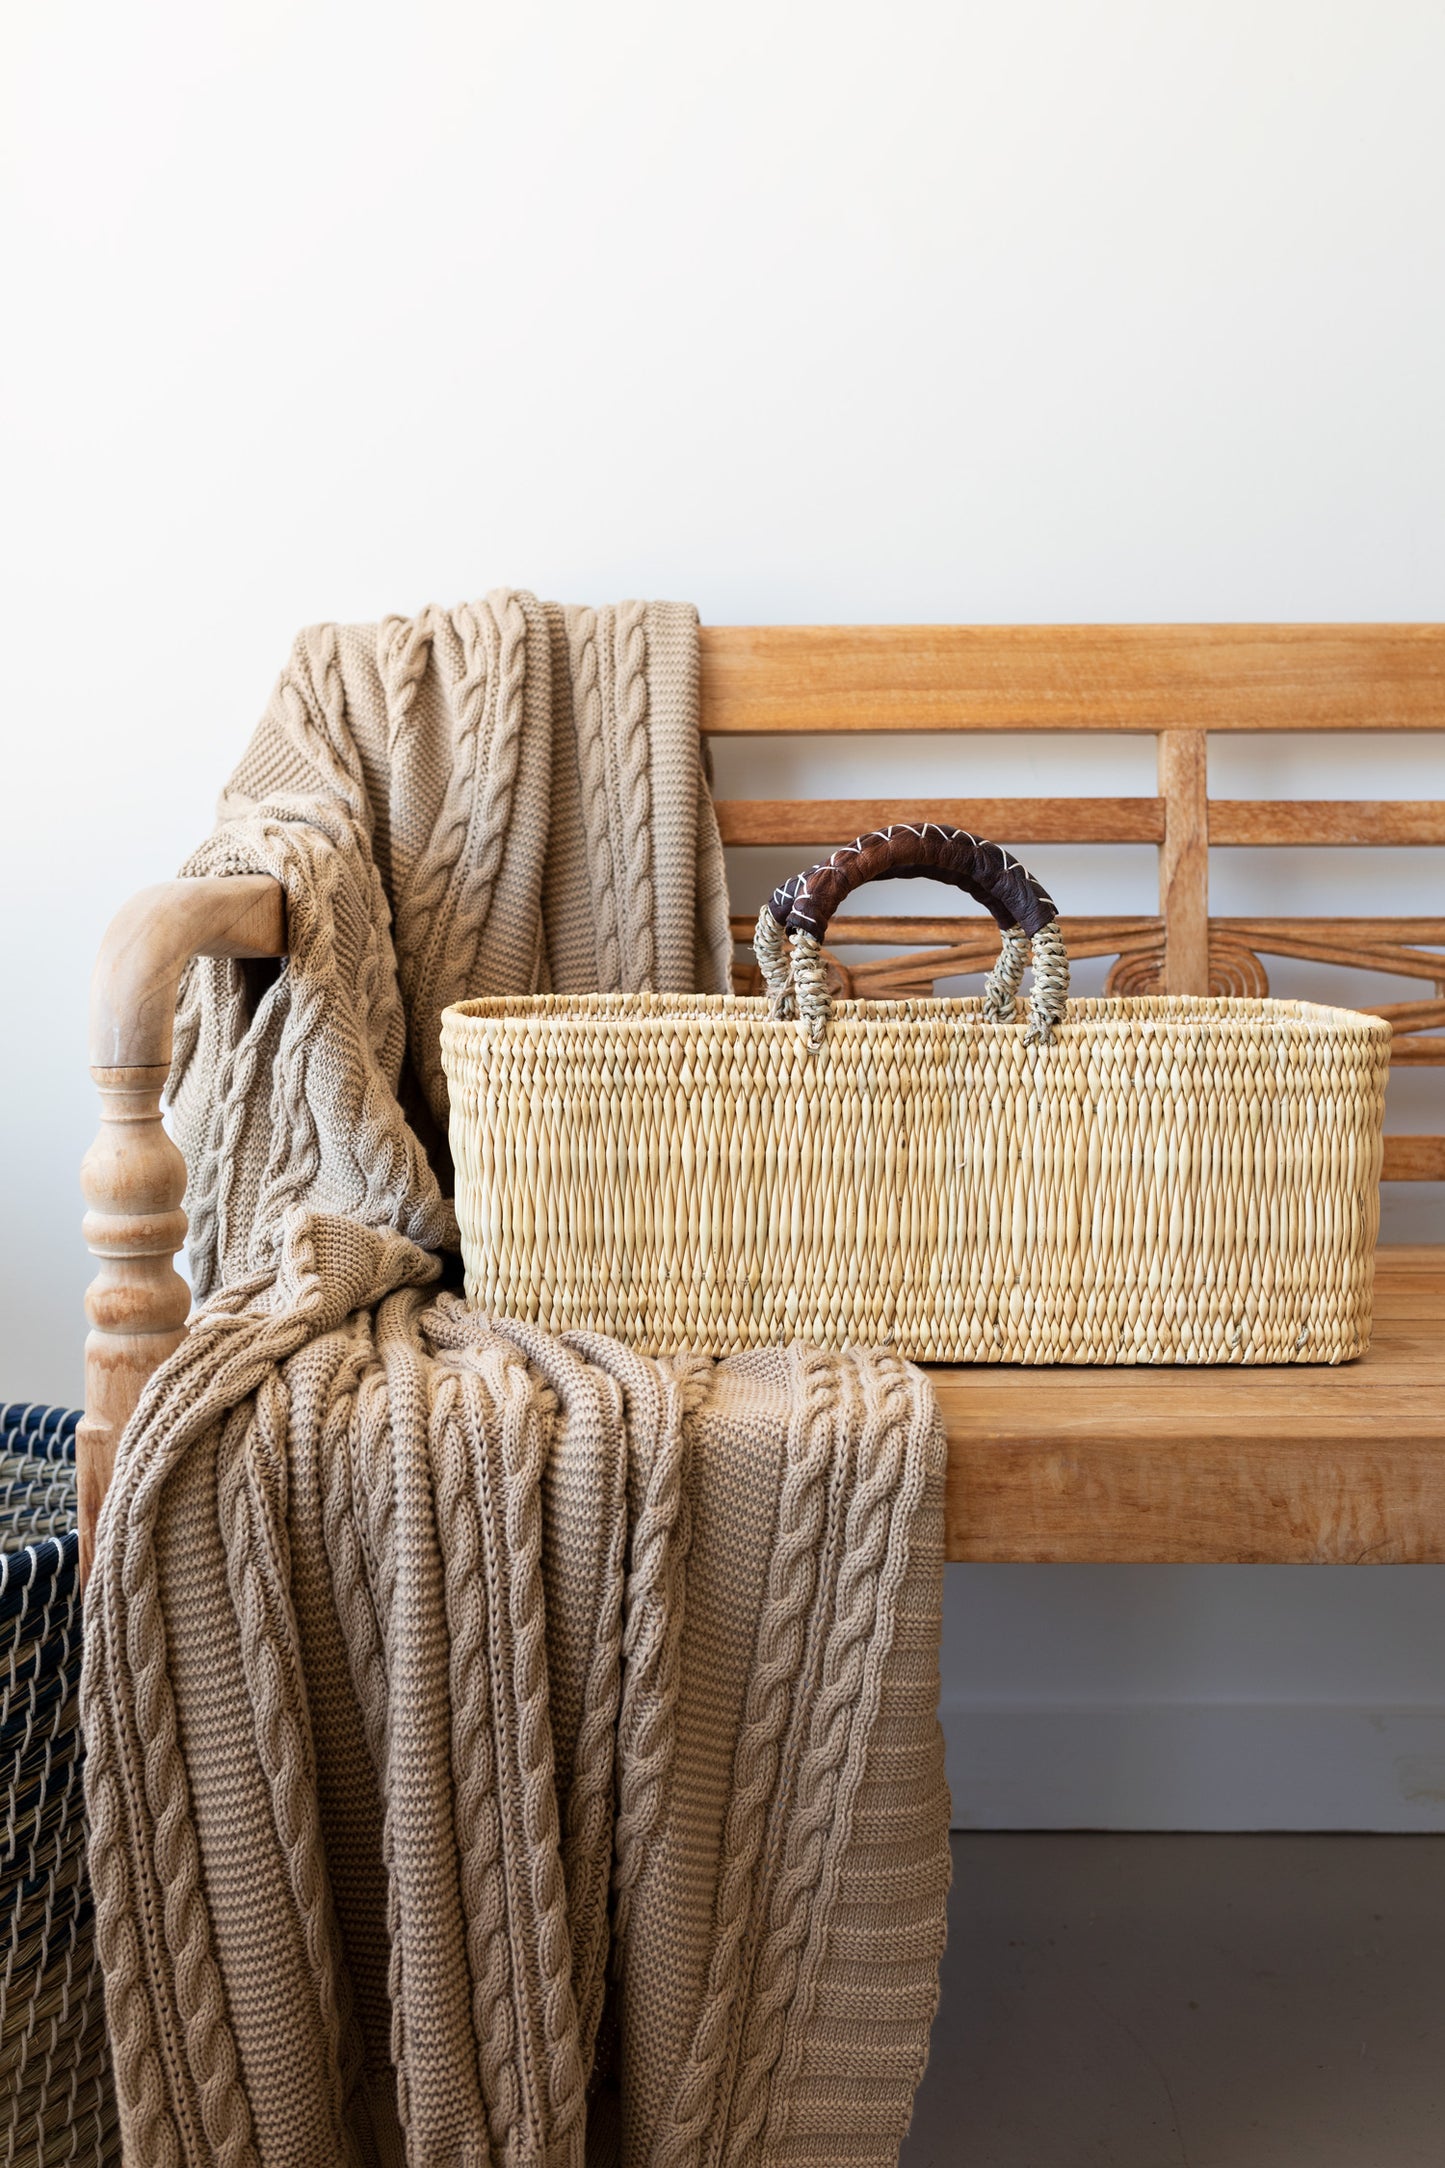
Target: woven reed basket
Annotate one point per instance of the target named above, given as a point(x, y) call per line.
point(57, 2098)
point(1152, 1180)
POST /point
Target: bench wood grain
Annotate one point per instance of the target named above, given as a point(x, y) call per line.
point(1296, 1466)
point(133, 1178)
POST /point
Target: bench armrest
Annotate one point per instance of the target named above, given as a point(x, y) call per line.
point(133, 1178)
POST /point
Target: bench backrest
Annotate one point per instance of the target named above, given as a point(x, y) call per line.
point(1177, 683)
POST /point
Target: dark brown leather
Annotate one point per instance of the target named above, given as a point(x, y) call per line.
point(928, 850)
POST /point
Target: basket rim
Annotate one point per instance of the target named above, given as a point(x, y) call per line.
point(1152, 1012)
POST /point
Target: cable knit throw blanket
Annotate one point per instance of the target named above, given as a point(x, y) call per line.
point(502, 1748)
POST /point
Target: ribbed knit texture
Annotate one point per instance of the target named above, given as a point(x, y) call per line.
point(500, 1748)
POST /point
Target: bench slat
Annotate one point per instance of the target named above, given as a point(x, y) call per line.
point(1414, 1159)
point(824, 823)
point(1299, 823)
point(1309, 823)
point(806, 679)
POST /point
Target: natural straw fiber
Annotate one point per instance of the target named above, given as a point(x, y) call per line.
point(1169, 1181)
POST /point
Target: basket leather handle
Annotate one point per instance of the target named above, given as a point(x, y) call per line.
point(1025, 912)
point(908, 850)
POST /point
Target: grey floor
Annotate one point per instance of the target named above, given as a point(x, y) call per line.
point(1189, 2002)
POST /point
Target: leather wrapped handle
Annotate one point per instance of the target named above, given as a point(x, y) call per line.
point(1025, 912)
point(928, 850)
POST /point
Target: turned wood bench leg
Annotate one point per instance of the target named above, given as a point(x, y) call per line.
point(134, 1178)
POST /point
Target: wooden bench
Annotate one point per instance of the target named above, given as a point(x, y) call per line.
point(1292, 1465)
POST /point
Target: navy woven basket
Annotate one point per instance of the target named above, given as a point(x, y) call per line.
point(56, 2099)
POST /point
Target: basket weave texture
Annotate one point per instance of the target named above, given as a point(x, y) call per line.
point(1171, 1180)
point(56, 2098)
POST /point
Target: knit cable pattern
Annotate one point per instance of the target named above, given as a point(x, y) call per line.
point(660, 1399)
point(403, 651)
point(582, 633)
point(523, 1441)
point(633, 709)
point(441, 914)
point(461, 1485)
point(251, 1498)
point(780, 1642)
point(880, 1505)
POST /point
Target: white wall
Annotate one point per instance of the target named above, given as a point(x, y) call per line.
point(1111, 310)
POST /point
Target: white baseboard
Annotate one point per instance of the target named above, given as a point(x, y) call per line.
point(1195, 1765)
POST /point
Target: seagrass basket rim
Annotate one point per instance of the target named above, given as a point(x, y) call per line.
point(1135, 1012)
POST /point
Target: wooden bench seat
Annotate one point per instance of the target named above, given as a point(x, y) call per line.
point(1301, 1465)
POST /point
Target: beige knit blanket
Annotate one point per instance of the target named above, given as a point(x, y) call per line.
point(501, 1748)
